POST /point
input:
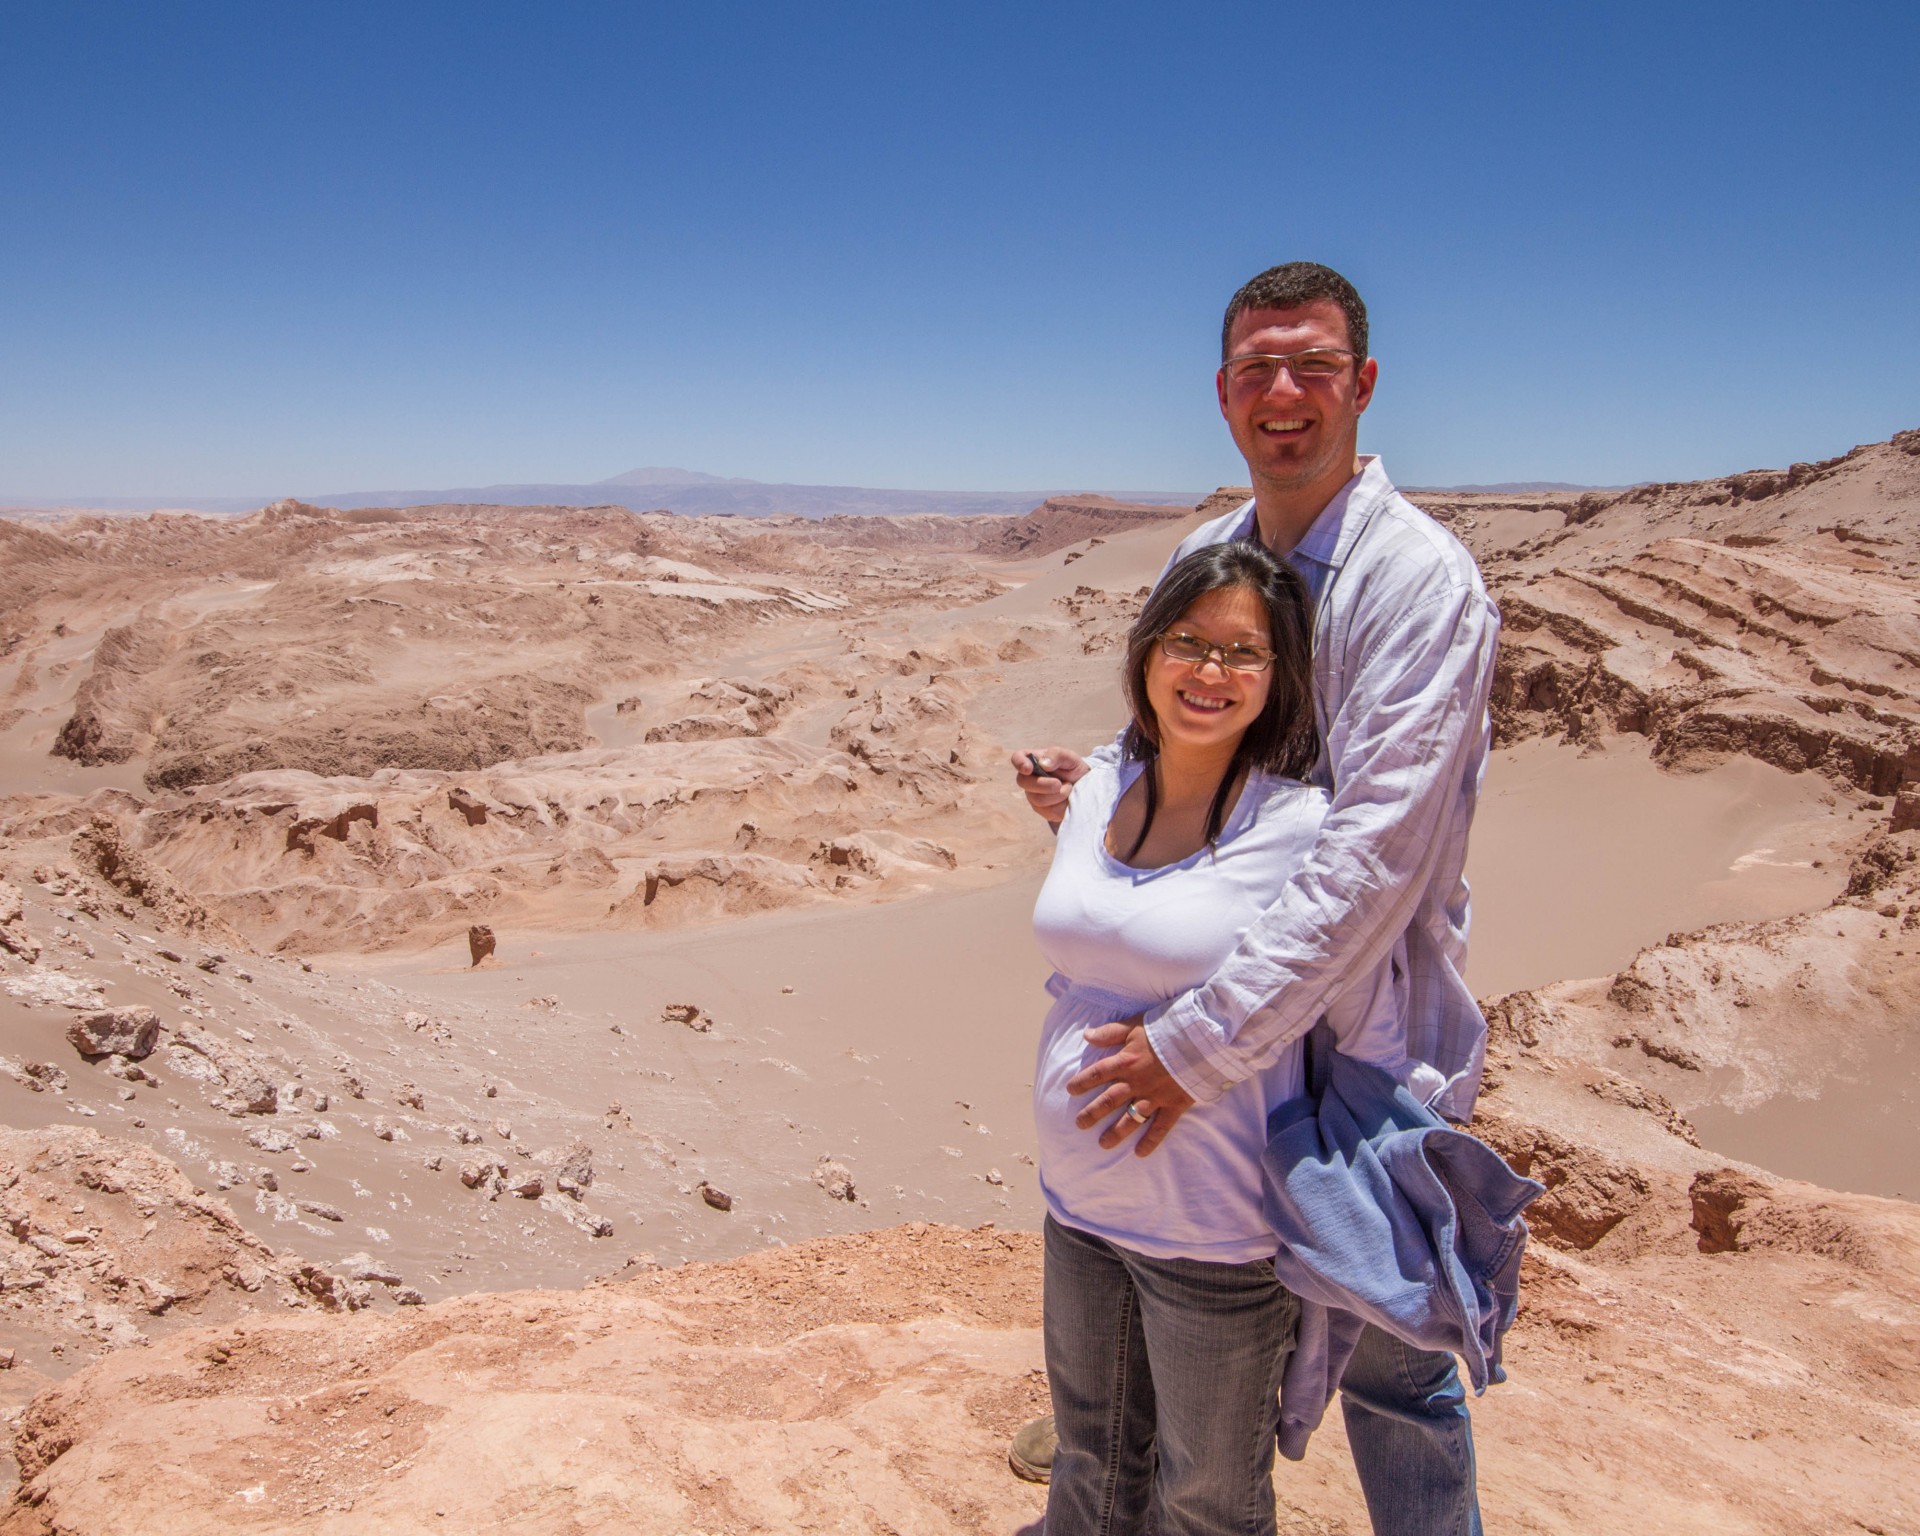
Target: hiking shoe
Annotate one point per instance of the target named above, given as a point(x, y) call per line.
point(1031, 1455)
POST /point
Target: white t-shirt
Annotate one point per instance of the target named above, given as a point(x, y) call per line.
point(1121, 939)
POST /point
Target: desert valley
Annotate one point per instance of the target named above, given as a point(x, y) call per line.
point(520, 1017)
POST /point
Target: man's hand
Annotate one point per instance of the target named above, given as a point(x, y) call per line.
point(1132, 1075)
point(1048, 790)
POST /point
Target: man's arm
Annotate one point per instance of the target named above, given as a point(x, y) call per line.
point(1398, 747)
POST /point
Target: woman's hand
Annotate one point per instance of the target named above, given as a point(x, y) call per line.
point(1135, 1085)
point(1048, 790)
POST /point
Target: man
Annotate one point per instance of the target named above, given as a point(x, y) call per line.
point(1404, 637)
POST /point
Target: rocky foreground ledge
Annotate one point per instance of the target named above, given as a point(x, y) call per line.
point(858, 1383)
point(1754, 1377)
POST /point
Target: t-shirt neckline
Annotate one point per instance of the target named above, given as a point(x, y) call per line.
point(1126, 773)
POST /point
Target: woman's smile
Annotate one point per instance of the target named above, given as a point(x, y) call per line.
point(1207, 703)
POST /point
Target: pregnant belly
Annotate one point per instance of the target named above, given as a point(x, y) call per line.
point(1196, 1196)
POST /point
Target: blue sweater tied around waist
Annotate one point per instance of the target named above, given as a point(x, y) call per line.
point(1385, 1215)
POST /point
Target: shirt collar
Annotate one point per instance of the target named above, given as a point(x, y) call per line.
point(1330, 539)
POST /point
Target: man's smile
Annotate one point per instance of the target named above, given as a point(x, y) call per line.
point(1285, 426)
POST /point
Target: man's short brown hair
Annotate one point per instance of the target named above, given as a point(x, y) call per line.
point(1292, 284)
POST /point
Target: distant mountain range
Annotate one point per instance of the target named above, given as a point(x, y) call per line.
point(1512, 488)
point(651, 488)
point(691, 493)
point(655, 474)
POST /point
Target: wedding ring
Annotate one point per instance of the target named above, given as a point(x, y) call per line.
point(1133, 1113)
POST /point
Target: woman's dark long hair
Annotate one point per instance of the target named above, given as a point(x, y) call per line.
point(1284, 738)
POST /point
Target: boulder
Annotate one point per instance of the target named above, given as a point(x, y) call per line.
point(851, 853)
point(42, 1075)
point(572, 1167)
point(363, 1266)
point(199, 1053)
point(1588, 1192)
point(835, 1179)
point(131, 1031)
point(480, 1172)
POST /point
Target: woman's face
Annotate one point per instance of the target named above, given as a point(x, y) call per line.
point(1210, 705)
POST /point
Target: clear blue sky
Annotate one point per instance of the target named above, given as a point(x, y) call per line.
point(265, 248)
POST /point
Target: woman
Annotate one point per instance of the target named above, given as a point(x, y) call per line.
point(1166, 1330)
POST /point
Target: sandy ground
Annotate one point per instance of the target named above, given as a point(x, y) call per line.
point(1856, 1128)
point(903, 1047)
point(1637, 853)
point(911, 1025)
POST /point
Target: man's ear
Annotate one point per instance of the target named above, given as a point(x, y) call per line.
point(1364, 379)
point(1220, 389)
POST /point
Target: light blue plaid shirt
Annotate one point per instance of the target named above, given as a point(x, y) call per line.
point(1403, 649)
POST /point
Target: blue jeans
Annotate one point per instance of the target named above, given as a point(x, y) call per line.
point(1165, 1376)
point(1412, 1442)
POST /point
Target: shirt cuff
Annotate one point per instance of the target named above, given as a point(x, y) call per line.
point(1188, 1047)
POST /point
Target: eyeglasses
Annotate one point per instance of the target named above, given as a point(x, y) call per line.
point(1258, 370)
point(1195, 652)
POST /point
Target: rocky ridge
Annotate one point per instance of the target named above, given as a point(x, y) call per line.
point(1770, 613)
point(315, 748)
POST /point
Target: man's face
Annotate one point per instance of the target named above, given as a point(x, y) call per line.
point(1296, 436)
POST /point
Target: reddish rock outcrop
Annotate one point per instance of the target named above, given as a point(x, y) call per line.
point(105, 1243)
point(338, 826)
point(103, 848)
point(480, 942)
point(1063, 520)
point(468, 805)
point(14, 937)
